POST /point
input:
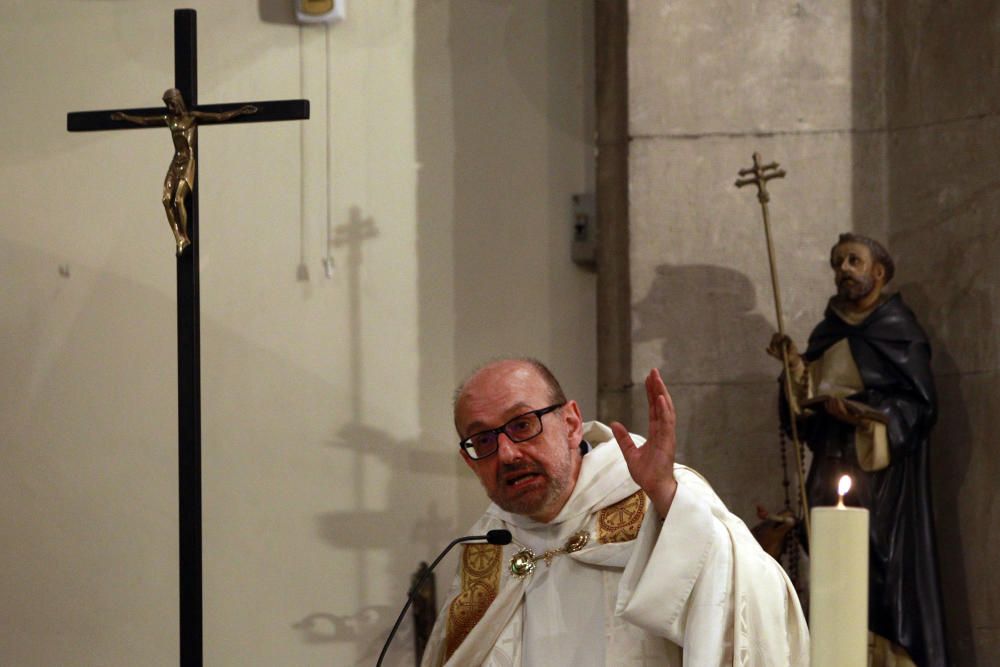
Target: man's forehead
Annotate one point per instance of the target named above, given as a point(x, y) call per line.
point(498, 392)
point(848, 247)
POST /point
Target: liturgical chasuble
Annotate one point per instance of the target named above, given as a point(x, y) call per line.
point(693, 590)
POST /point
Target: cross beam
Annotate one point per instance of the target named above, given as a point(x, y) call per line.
point(89, 121)
point(188, 324)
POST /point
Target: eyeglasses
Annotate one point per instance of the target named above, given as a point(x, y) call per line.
point(520, 428)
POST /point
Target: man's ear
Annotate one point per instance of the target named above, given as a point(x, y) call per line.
point(878, 273)
point(574, 423)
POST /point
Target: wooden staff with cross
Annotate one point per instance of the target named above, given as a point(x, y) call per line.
point(759, 174)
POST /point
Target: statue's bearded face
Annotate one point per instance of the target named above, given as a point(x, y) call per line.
point(853, 270)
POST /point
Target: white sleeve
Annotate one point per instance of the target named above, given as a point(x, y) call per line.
point(703, 582)
point(678, 581)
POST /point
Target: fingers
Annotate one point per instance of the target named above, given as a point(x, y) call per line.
point(656, 387)
point(837, 408)
point(661, 405)
point(661, 412)
point(623, 437)
point(779, 341)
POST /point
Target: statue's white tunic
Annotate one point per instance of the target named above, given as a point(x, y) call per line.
point(693, 590)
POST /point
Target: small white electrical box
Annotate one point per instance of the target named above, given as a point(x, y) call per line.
point(320, 11)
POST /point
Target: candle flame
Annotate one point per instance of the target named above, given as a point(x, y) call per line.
point(844, 486)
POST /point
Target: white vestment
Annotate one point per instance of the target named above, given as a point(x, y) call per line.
point(695, 590)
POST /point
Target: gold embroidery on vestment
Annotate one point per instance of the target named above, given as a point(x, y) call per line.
point(480, 584)
point(620, 522)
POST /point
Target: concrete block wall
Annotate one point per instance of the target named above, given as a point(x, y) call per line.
point(885, 117)
point(942, 102)
point(711, 83)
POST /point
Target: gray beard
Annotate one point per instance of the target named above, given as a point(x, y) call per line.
point(526, 507)
point(556, 486)
point(858, 290)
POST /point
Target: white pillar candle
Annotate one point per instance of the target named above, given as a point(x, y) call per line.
point(838, 584)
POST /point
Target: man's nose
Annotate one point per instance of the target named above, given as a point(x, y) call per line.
point(507, 449)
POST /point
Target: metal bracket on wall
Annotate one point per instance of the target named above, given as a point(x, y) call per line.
point(584, 251)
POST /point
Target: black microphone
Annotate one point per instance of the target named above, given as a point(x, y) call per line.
point(498, 536)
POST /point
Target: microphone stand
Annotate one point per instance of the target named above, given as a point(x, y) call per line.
point(491, 537)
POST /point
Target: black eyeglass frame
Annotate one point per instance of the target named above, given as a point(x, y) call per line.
point(466, 443)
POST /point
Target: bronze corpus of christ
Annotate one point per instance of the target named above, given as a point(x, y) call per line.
point(179, 182)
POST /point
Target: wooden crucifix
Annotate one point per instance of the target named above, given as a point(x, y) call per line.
point(180, 188)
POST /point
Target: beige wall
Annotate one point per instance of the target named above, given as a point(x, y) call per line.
point(458, 133)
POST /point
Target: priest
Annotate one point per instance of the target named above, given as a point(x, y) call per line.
point(620, 555)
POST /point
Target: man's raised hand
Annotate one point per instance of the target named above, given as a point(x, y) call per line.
point(652, 465)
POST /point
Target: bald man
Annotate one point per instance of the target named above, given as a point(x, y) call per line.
point(620, 556)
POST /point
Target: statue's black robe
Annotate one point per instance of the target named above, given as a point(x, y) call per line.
point(893, 358)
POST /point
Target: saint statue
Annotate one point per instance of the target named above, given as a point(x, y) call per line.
point(183, 124)
point(865, 402)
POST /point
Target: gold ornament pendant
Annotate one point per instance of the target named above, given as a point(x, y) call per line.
point(523, 563)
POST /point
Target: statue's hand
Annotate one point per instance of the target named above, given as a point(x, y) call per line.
point(248, 109)
point(840, 409)
point(779, 341)
point(118, 115)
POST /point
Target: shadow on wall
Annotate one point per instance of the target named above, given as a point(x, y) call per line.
point(277, 11)
point(706, 318)
point(390, 530)
point(951, 444)
point(722, 382)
